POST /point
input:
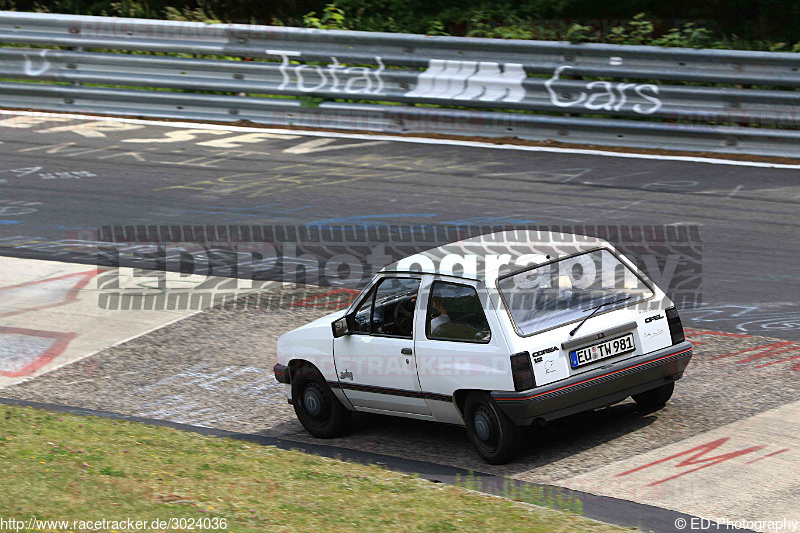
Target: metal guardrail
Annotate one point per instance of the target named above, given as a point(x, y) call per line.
point(653, 97)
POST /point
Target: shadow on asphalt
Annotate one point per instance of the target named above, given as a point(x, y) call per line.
point(541, 445)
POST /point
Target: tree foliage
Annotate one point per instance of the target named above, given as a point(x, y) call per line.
point(755, 24)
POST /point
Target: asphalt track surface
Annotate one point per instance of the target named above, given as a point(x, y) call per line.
point(59, 180)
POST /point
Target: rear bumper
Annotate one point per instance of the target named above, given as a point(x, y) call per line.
point(597, 388)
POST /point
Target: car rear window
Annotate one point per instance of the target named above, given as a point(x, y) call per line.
point(566, 290)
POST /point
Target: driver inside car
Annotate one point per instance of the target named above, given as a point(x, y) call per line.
point(443, 318)
point(456, 317)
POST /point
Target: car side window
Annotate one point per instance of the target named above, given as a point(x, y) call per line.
point(455, 313)
point(363, 315)
point(393, 307)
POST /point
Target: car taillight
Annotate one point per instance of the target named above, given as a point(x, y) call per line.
point(522, 372)
point(675, 326)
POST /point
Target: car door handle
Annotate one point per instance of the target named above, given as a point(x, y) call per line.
point(406, 351)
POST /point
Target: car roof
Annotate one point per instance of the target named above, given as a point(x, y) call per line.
point(486, 257)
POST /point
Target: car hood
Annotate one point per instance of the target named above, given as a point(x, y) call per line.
point(324, 320)
point(310, 341)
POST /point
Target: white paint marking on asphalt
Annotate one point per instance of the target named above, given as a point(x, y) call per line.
point(417, 140)
point(321, 145)
point(568, 174)
point(247, 138)
point(182, 135)
point(736, 190)
point(676, 184)
point(95, 129)
point(617, 177)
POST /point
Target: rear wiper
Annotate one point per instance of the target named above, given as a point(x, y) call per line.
point(595, 310)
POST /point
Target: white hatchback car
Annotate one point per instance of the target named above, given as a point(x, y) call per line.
point(492, 333)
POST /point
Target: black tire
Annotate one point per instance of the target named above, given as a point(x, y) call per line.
point(318, 409)
point(495, 437)
point(654, 399)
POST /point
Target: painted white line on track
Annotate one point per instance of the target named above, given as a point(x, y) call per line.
point(416, 140)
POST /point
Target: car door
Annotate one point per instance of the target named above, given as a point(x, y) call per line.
point(375, 362)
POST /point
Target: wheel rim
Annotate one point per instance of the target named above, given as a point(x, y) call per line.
point(315, 402)
point(487, 429)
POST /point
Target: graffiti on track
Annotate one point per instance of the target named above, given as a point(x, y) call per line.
point(23, 351)
point(695, 459)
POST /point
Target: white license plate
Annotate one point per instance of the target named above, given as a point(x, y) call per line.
point(602, 350)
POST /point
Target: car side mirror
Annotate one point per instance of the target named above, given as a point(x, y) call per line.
point(341, 327)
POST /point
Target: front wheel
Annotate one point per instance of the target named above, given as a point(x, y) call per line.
point(654, 399)
point(318, 409)
point(495, 437)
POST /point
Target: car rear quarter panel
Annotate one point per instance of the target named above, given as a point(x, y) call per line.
point(445, 367)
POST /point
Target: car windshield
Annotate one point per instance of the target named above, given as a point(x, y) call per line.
point(569, 289)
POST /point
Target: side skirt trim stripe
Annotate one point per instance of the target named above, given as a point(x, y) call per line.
point(391, 391)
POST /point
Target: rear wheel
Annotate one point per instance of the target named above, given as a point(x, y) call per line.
point(318, 409)
point(654, 399)
point(495, 437)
